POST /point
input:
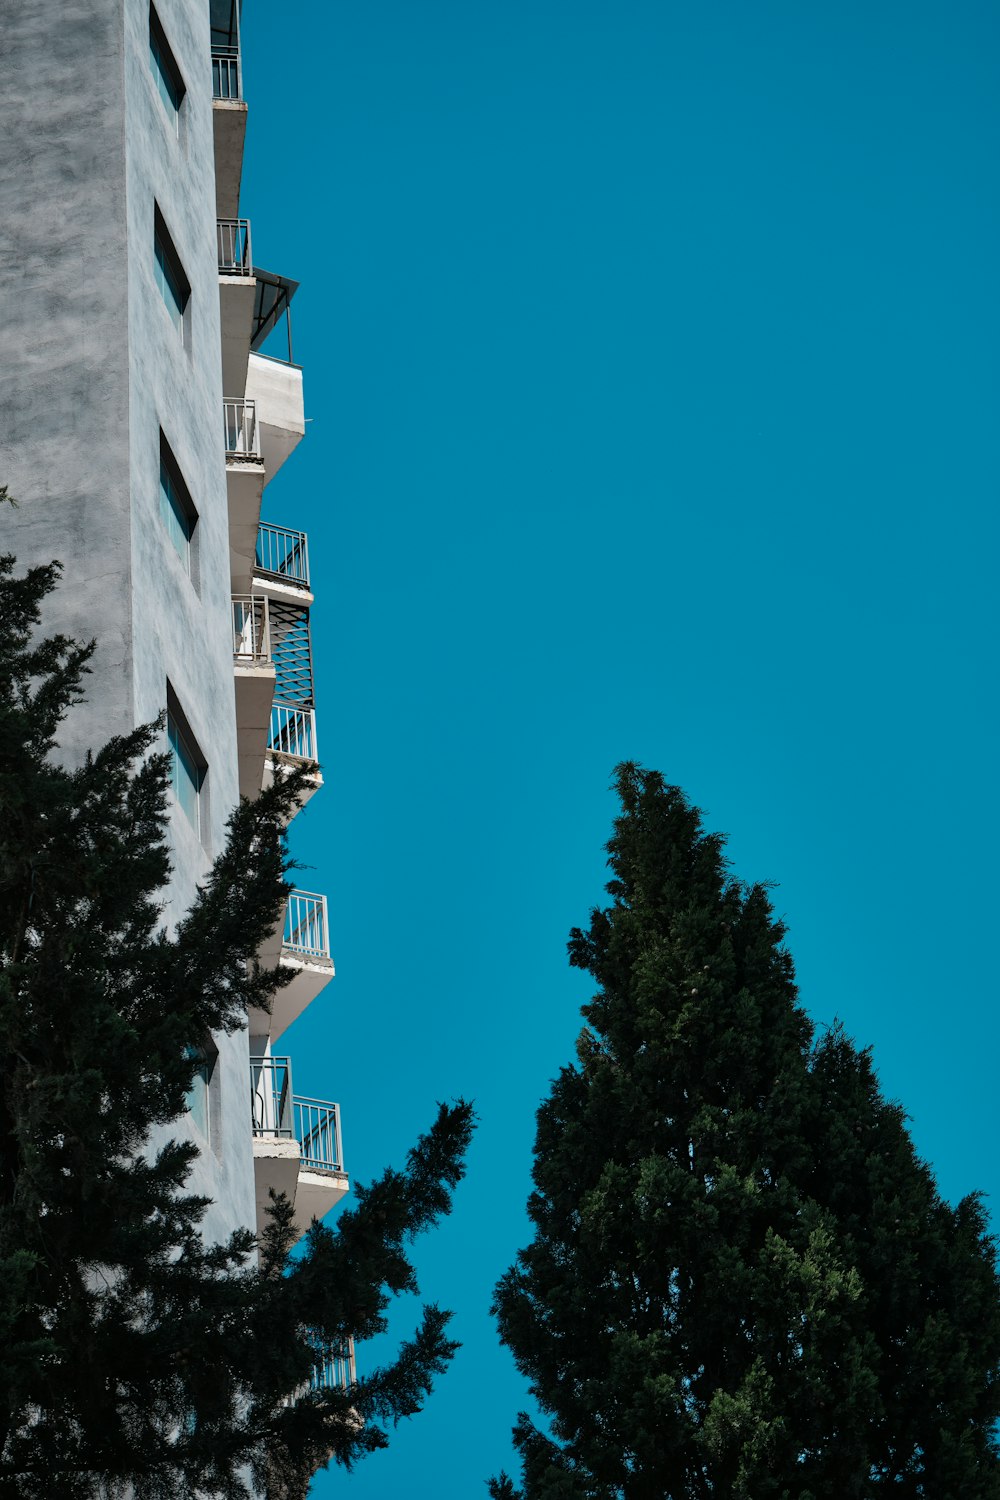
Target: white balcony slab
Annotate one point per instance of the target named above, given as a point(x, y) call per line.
point(308, 978)
point(254, 684)
point(283, 590)
point(275, 1165)
point(236, 296)
point(316, 1193)
point(245, 486)
point(277, 764)
point(229, 120)
point(276, 388)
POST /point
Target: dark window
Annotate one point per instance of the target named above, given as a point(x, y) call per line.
point(166, 73)
point(176, 509)
point(175, 289)
point(188, 767)
point(198, 1098)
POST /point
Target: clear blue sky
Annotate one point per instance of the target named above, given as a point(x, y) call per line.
point(651, 360)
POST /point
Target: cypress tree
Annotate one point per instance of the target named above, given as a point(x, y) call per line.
point(137, 1358)
point(743, 1281)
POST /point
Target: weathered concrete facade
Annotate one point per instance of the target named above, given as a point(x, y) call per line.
point(92, 370)
point(111, 355)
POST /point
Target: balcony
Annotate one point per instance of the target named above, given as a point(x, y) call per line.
point(227, 79)
point(240, 423)
point(292, 742)
point(302, 946)
point(237, 295)
point(229, 119)
point(251, 630)
point(244, 486)
point(272, 639)
point(276, 387)
point(282, 556)
point(296, 1144)
point(254, 675)
point(334, 1369)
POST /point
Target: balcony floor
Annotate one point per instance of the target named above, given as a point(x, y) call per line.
point(254, 684)
point(277, 1165)
point(316, 1194)
point(310, 976)
point(275, 764)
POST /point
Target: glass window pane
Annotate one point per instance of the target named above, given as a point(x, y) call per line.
point(170, 291)
point(197, 1097)
point(166, 85)
point(174, 518)
point(185, 775)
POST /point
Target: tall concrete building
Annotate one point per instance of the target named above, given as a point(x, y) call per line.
point(140, 423)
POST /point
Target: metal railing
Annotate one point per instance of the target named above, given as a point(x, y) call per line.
point(334, 1368)
point(293, 731)
point(276, 1112)
point(282, 553)
point(271, 1096)
point(227, 81)
point(240, 418)
point(306, 929)
point(235, 255)
point(317, 1130)
point(251, 628)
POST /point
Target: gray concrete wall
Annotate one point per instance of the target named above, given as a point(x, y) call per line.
point(91, 368)
point(64, 385)
point(182, 626)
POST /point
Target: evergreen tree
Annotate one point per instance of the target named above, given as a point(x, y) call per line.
point(138, 1359)
point(743, 1282)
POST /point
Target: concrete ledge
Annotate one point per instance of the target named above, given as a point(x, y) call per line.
point(316, 1194)
point(275, 1165)
point(229, 122)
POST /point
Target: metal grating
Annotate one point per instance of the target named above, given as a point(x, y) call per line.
point(291, 652)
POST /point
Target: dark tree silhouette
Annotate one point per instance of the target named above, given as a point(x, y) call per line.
point(137, 1358)
point(743, 1283)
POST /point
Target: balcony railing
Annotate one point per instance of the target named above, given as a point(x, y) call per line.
point(306, 931)
point(293, 731)
point(240, 418)
point(317, 1130)
point(227, 82)
point(235, 255)
point(279, 1114)
point(251, 628)
point(334, 1368)
point(271, 1096)
point(283, 553)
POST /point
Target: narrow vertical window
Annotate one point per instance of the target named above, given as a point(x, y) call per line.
point(175, 289)
point(166, 73)
point(177, 512)
point(187, 772)
point(198, 1097)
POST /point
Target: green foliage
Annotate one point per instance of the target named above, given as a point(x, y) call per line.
point(743, 1282)
point(139, 1359)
